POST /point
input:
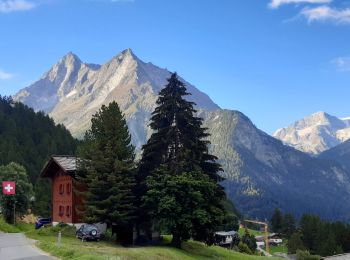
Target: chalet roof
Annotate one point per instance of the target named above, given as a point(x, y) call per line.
point(67, 163)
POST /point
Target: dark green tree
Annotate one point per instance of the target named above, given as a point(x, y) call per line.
point(249, 240)
point(342, 235)
point(295, 243)
point(24, 191)
point(309, 227)
point(276, 221)
point(106, 167)
point(230, 222)
point(328, 246)
point(288, 226)
point(177, 155)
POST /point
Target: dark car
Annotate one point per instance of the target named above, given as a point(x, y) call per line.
point(88, 232)
point(41, 222)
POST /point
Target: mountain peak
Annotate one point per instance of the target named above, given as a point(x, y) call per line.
point(127, 53)
point(321, 115)
point(70, 56)
point(315, 133)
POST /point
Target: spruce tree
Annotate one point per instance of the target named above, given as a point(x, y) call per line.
point(178, 177)
point(276, 221)
point(288, 225)
point(107, 170)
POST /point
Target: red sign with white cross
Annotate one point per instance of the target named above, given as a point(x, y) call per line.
point(8, 187)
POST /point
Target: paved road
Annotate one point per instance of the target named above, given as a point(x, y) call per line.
point(339, 257)
point(18, 247)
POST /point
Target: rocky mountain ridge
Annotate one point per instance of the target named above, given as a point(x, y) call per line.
point(261, 172)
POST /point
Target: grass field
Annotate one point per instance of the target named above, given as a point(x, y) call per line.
point(72, 248)
point(278, 249)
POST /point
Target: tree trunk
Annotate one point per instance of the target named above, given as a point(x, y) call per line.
point(176, 241)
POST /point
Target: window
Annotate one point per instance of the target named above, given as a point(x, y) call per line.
point(69, 188)
point(68, 211)
point(61, 210)
point(61, 189)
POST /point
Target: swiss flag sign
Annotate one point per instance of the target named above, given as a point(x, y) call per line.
point(8, 187)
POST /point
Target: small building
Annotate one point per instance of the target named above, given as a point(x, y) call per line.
point(226, 239)
point(66, 201)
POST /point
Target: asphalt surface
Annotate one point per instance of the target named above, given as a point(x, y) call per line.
point(338, 257)
point(18, 247)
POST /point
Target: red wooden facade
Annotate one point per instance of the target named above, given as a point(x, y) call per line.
point(66, 201)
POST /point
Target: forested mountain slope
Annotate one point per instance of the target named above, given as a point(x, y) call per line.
point(29, 138)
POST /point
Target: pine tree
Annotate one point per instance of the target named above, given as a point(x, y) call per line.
point(177, 173)
point(276, 221)
point(295, 243)
point(249, 240)
point(106, 167)
point(288, 225)
point(178, 135)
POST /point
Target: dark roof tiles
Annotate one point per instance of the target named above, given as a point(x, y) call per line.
point(68, 163)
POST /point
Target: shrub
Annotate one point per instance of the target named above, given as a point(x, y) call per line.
point(249, 240)
point(305, 255)
point(244, 248)
point(66, 230)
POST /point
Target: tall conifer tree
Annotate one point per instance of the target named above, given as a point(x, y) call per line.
point(178, 177)
point(107, 170)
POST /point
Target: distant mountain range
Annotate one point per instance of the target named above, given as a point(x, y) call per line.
point(316, 133)
point(261, 172)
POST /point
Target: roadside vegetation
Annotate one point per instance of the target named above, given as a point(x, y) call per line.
point(72, 248)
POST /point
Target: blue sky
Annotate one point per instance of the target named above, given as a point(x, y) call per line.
point(274, 60)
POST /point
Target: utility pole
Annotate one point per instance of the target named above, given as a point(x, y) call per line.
point(14, 212)
point(267, 246)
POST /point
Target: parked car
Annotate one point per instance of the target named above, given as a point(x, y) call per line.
point(88, 232)
point(41, 222)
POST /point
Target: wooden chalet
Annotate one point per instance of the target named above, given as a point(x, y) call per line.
point(66, 201)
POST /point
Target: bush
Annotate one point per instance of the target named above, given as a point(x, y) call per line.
point(7, 228)
point(249, 240)
point(244, 248)
point(66, 230)
point(305, 255)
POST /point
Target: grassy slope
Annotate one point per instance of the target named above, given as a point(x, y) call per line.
point(72, 248)
point(279, 249)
